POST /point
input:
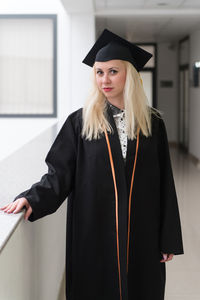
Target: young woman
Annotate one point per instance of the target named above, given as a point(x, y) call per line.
point(111, 159)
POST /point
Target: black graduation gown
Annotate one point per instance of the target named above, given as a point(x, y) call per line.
point(81, 170)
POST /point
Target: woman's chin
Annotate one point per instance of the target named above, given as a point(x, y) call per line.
point(109, 95)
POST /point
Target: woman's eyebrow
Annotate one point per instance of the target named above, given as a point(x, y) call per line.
point(109, 68)
point(113, 68)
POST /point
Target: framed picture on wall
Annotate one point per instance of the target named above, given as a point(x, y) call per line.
point(28, 63)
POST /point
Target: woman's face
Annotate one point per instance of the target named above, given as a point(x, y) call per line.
point(110, 78)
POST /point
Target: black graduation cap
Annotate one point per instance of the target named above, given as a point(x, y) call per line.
point(111, 46)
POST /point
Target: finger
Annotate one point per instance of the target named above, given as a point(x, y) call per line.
point(4, 207)
point(162, 260)
point(28, 213)
point(164, 257)
point(10, 207)
point(170, 256)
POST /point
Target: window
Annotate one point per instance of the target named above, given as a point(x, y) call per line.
point(28, 79)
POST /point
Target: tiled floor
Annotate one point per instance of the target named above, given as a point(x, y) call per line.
point(183, 272)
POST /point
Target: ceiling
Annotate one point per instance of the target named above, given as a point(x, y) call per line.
point(142, 20)
point(115, 4)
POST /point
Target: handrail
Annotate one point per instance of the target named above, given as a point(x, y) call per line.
point(16, 177)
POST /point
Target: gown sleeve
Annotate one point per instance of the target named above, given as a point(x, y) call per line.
point(170, 225)
point(49, 193)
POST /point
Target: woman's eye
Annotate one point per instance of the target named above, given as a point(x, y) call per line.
point(113, 71)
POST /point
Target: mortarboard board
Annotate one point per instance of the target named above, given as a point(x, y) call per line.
point(111, 46)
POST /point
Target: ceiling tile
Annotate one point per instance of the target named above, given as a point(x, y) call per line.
point(191, 4)
point(115, 4)
point(163, 3)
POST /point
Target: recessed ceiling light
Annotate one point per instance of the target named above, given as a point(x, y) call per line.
point(162, 4)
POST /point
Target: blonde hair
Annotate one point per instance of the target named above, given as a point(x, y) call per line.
point(138, 111)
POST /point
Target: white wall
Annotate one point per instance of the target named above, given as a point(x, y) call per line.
point(167, 98)
point(194, 98)
point(82, 39)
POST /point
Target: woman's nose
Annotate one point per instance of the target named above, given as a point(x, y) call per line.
point(106, 78)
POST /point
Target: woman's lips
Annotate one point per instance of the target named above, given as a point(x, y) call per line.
point(107, 89)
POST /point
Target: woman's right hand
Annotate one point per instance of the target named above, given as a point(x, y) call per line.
point(16, 207)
